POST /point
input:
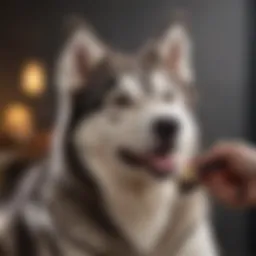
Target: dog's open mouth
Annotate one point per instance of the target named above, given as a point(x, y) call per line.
point(159, 164)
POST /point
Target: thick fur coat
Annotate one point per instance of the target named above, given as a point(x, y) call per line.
point(125, 133)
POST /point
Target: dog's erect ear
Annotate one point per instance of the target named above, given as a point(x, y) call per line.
point(81, 53)
point(175, 50)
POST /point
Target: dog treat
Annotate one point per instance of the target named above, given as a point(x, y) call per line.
point(190, 179)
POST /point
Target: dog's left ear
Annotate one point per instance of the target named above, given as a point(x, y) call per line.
point(81, 53)
point(175, 51)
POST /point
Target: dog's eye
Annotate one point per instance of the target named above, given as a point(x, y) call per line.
point(168, 96)
point(122, 101)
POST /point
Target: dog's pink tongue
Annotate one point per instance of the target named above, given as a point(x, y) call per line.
point(161, 163)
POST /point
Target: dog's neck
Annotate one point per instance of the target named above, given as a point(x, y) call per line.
point(136, 208)
point(138, 204)
point(137, 214)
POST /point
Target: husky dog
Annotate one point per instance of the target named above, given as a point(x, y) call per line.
point(124, 136)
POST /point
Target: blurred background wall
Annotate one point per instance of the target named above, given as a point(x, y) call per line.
point(31, 34)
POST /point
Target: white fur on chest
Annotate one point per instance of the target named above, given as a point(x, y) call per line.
point(142, 211)
point(142, 216)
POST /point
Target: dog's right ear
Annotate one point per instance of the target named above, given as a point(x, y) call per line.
point(81, 53)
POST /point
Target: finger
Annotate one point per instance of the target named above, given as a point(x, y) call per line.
point(224, 191)
point(212, 160)
point(218, 151)
point(228, 196)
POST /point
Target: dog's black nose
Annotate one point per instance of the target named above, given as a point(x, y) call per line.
point(165, 128)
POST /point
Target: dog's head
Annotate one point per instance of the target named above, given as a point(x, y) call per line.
point(131, 115)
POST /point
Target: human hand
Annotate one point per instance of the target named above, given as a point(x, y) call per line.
point(228, 170)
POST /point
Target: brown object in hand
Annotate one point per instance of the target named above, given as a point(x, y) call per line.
point(189, 181)
point(228, 170)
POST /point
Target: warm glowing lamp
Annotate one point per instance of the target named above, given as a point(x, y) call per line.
point(33, 79)
point(18, 121)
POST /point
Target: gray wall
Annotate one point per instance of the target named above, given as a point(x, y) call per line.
point(221, 34)
point(32, 29)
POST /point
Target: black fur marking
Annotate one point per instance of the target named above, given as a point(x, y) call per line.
point(91, 98)
point(51, 243)
point(186, 187)
point(3, 250)
point(89, 195)
point(12, 176)
point(25, 244)
point(86, 102)
point(83, 246)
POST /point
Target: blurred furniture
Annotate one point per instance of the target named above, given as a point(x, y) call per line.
point(33, 149)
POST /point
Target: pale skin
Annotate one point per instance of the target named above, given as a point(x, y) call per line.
point(234, 181)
